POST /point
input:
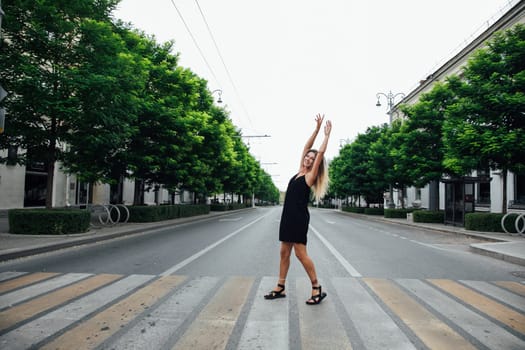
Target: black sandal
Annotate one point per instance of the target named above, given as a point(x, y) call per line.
point(316, 299)
point(274, 294)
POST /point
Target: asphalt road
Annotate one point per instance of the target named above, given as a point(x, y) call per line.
point(200, 285)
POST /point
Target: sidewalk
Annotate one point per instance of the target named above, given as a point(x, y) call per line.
point(500, 246)
point(14, 246)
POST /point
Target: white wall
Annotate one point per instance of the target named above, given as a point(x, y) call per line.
point(12, 183)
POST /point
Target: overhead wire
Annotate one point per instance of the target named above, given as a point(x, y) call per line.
point(196, 44)
point(223, 62)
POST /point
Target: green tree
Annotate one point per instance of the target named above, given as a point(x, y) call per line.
point(107, 79)
point(356, 172)
point(41, 50)
point(376, 163)
point(486, 125)
point(265, 189)
point(421, 152)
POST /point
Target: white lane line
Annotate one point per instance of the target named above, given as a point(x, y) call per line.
point(232, 219)
point(208, 248)
point(267, 326)
point(348, 267)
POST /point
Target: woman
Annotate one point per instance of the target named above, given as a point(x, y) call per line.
point(295, 217)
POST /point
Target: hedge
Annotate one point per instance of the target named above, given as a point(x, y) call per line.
point(374, 211)
point(48, 221)
point(397, 213)
point(219, 207)
point(231, 206)
point(489, 222)
point(193, 210)
point(428, 216)
point(165, 212)
point(358, 210)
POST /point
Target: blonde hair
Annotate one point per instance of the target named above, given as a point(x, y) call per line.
point(320, 185)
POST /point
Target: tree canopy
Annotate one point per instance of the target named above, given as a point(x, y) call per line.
point(108, 102)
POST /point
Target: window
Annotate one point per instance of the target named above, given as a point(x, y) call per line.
point(519, 195)
point(12, 155)
point(483, 188)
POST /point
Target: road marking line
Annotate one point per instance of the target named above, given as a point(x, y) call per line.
point(328, 334)
point(434, 333)
point(512, 286)
point(213, 326)
point(154, 330)
point(53, 322)
point(490, 335)
point(20, 295)
point(25, 280)
point(10, 274)
point(500, 312)
point(364, 310)
point(48, 301)
point(233, 219)
point(497, 293)
point(348, 267)
point(267, 326)
point(208, 248)
point(103, 325)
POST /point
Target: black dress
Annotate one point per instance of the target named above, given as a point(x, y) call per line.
point(295, 217)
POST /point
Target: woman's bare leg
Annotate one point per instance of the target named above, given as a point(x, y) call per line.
point(307, 262)
point(284, 263)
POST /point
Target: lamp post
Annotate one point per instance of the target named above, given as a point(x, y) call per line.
point(390, 99)
point(219, 92)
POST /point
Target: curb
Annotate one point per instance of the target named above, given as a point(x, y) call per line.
point(14, 253)
point(478, 248)
point(487, 250)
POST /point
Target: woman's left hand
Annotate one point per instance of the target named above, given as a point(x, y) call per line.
point(328, 128)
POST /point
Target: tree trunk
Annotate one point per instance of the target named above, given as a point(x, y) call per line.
point(138, 196)
point(49, 185)
point(504, 178)
point(433, 193)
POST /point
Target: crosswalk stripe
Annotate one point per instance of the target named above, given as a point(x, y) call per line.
point(514, 287)
point(9, 275)
point(25, 280)
point(29, 309)
point(38, 330)
point(213, 326)
point(155, 330)
point(497, 293)
point(100, 327)
point(84, 311)
point(488, 306)
point(20, 295)
point(486, 332)
point(267, 324)
point(320, 326)
point(432, 331)
point(365, 311)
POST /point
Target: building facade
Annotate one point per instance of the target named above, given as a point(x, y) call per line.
point(486, 195)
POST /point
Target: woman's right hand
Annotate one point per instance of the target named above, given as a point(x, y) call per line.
point(319, 120)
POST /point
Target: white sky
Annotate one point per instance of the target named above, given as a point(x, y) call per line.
point(291, 59)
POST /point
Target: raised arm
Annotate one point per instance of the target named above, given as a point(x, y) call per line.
point(312, 174)
point(310, 142)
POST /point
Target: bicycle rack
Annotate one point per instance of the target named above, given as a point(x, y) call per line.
point(104, 215)
point(520, 217)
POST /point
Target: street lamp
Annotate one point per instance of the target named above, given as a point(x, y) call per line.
point(390, 98)
point(219, 92)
